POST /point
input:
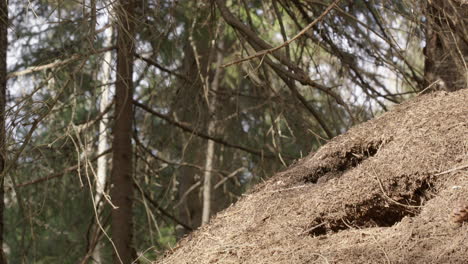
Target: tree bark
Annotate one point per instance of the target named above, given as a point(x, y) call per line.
point(191, 206)
point(210, 148)
point(446, 48)
point(3, 82)
point(103, 140)
point(122, 187)
point(191, 108)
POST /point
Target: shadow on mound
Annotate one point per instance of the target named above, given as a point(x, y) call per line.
point(381, 192)
point(341, 161)
point(379, 210)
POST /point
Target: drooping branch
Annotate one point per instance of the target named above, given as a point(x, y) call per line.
point(286, 43)
point(188, 129)
point(160, 67)
point(346, 58)
point(61, 173)
point(171, 162)
point(56, 63)
point(162, 210)
point(293, 71)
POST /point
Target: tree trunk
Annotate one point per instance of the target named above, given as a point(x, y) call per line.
point(3, 81)
point(103, 141)
point(190, 208)
point(191, 107)
point(446, 48)
point(121, 189)
point(210, 148)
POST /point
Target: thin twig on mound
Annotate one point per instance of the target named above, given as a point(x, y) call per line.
point(312, 228)
point(388, 197)
point(452, 170)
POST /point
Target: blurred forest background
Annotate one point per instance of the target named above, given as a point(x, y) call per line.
point(127, 124)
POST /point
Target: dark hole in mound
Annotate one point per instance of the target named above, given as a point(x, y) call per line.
point(342, 162)
point(383, 216)
point(422, 193)
point(354, 158)
point(374, 213)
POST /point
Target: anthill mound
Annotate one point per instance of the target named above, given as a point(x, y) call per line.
point(381, 193)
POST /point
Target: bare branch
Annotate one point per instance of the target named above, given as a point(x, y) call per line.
point(160, 67)
point(188, 129)
point(293, 71)
point(60, 174)
point(286, 43)
point(55, 64)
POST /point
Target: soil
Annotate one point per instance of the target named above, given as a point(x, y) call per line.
point(381, 193)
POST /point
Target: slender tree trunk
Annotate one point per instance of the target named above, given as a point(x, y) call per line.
point(3, 81)
point(103, 143)
point(207, 185)
point(191, 107)
point(190, 208)
point(121, 189)
point(446, 45)
point(103, 140)
point(207, 176)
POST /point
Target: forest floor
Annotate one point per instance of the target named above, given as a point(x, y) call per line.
point(384, 192)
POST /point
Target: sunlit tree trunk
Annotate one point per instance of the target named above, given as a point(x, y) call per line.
point(446, 45)
point(103, 140)
point(3, 81)
point(122, 187)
